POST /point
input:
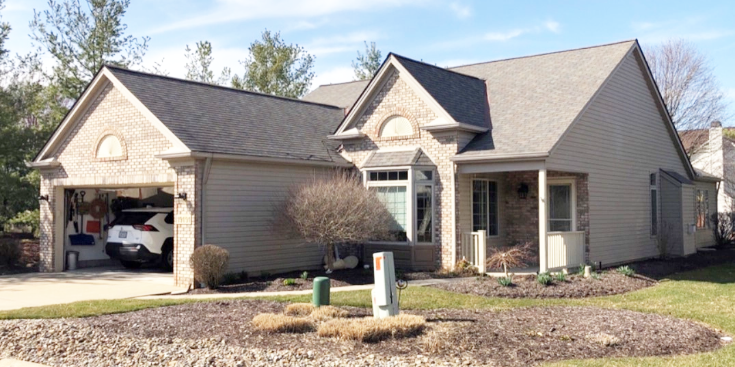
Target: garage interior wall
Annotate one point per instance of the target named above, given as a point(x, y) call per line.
point(239, 203)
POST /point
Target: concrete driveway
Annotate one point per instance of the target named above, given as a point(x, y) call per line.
point(41, 289)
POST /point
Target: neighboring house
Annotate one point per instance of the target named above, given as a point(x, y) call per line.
point(572, 152)
point(712, 151)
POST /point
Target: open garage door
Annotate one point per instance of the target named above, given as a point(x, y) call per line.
point(117, 228)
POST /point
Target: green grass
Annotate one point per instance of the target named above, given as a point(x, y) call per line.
point(706, 295)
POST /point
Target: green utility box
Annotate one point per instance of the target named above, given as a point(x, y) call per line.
point(321, 291)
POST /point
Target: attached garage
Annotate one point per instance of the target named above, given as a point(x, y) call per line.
point(222, 158)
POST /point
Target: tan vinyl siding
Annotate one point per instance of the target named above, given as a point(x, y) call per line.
point(687, 203)
point(705, 236)
point(619, 140)
point(671, 214)
point(238, 207)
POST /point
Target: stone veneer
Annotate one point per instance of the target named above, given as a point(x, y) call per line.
point(112, 113)
point(397, 98)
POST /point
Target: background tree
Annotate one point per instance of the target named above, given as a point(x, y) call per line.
point(687, 84)
point(199, 65)
point(4, 33)
point(277, 68)
point(367, 64)
point(334, 210)
point(83, 38)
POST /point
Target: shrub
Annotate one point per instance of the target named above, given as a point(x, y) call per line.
point(209, 263)
point(370, 330)
point(625, 270)
point(505, 281)
point(325, 313)
point(289, 282)
point(723, 225)
point(465, 268)
point(544, 279)
point(299, 309)
point(274, 323)
point(509, 257)
point(9, 251)
point(305, 275)
point(230, 278)
point(30, 219)
point(560, 277)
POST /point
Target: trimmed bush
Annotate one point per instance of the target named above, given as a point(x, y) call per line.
point(275, 323)
point(626, 270)
point(544, 279)
point(370, 330)
point(210, 264)
point(325, 313)
point(289, 282)
point(9, 251)
point(505, 281)
point(299, 309)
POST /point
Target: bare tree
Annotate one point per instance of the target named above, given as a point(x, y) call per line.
point(334, 210)
point(688, 85)
point(509, 257)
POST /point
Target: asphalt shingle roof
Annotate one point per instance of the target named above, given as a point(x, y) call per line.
point(341, 95)
point(533, 100)
point(399, 158)
point(462, 96)
point(215, 119)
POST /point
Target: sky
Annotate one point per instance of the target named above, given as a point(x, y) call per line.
point(441, 32)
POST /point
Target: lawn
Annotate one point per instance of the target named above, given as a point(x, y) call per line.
point(706, 295)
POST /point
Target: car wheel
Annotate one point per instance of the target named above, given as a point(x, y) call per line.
point(130, 264)
point(167, 259)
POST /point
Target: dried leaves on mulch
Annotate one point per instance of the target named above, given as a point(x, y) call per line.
point(574, 286)
point(518, 337)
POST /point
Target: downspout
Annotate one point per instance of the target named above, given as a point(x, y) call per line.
point(205, 179)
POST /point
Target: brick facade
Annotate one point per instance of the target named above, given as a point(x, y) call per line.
point(187, 230)
point(110, 113)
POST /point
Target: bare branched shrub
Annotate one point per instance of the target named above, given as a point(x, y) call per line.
point(688, 85)
point(276, 323)
point(663, 239)
point(9, 251)
point(299, 309)
point(210, 264)
point(509, 257)
point(334, 210)
point(370, 330)
point(723, 227)
point(464, 268)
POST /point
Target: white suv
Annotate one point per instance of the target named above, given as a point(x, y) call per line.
point(142, 235)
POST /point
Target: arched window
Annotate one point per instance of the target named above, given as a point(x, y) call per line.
point(109, 147)
point(396, 126)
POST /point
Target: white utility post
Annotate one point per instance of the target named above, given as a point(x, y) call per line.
point(385, 298)
point(542, 221)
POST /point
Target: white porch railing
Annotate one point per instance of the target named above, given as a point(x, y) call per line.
point(474, 249)
point(564, 249)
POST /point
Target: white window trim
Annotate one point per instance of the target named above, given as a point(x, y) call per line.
point(472, 204)
point(554, 181)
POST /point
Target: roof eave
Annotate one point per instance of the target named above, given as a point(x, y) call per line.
point(459, 126)
point(178, 156)
point(499, 157)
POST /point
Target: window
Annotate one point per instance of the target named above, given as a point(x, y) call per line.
point(394, 199)
point(654, 204)
point(109, 147)
point(396, 126)
point(485, 206)
point(388, 176)
point(424, 213)
point(560, 208)
point(702, 206)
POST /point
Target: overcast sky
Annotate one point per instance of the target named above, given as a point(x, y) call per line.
point(442, 32)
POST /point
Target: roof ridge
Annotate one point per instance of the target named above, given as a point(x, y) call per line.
point(435, 67)
point(542, 54)
point(216, 86)
point(339, 83)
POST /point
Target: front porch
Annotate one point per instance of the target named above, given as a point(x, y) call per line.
point(501, 209)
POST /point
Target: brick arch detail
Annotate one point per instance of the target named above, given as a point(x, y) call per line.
point(105, 133)
point(402, 112)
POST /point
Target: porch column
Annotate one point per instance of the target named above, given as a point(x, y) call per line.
point(542, 220)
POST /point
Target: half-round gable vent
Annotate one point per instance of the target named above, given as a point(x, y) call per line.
point(109, 147)
point(396, 126)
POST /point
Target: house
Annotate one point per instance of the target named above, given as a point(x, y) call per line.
point(572, 152)
point(712, 152)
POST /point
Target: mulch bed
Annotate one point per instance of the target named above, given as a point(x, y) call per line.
point(662, 268)
point(339, 278)
point(575, 286)
point(519, 337)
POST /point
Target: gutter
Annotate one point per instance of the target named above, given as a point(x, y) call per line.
point(499, 158)
point(248, 158)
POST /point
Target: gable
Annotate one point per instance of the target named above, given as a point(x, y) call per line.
point(110, 113)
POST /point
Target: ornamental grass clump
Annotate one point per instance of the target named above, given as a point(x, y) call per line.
point(210, 264)
point(324, 313)
point(505, 281)
point(370, 330)
point(299, 309)
point(509, 257)
point(277, 323)
point(544, 279)
point(626, 270)
point(560, 277)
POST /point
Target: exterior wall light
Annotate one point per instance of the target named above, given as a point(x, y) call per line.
point(181, 195)
point(522, 190)
point(43, 198)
